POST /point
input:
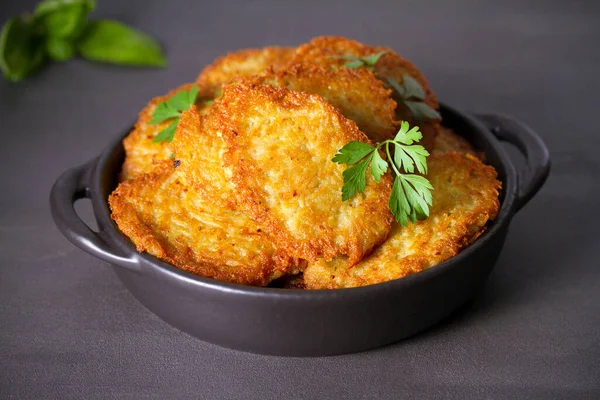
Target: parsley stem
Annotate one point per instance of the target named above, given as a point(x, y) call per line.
point(390, 160)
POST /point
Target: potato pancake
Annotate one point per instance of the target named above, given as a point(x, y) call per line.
point(242, 63)
point(465, 198)
point(357, 94)
point(180, 226)
point(280, 145)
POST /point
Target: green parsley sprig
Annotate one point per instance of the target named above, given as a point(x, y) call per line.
point(411, 193)
point(409, 92)
point(59, 29)
point(359, 62)
point(412, 94)
point(171, 109)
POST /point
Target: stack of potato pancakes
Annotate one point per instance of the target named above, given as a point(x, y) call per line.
point(246, 191)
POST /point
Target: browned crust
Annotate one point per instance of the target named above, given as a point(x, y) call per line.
point(240, 101)
point(356, 93)
point(242, 63)
point(165, 218)
point(447, 140)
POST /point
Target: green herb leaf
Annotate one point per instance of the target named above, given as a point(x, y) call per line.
point(373, 59)
point(163, 112)
point(172, 108)
point(358, 62)
point(402, 159)
point(64, 19)
point(183, 99)
point(21, 51)
point(354, 64)
point(59, 49)
point(352, 152)
point(115, 43)
point(378, 166)
point(421, 111)
point(355, 180)
point(413, 87)
point(406, 135)
point(167, 134)
point(411, 194)
point(398, 202)
point(397, 87)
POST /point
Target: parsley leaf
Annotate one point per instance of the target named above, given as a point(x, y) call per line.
point(359, 62)
point(172, 109)
point(352, 152)
point(162, 112)
point(422, 111)
point(411, 194)
point(412, 94)
point(378, 166)
point(355, 180)
point(167, 134)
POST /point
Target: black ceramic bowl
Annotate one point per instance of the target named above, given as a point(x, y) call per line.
point(295, 322)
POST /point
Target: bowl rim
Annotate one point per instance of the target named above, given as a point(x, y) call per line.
point(110, 230)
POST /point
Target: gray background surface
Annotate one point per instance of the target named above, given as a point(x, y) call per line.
point(68, 328)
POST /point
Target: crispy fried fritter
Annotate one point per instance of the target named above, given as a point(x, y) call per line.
point(281, 143)
point(446, 141)
point(178, 225)
point(325, 51)
point(242, 63)
point(199, 146)
point(357, 94)
point(141, 153)
point(465, 198)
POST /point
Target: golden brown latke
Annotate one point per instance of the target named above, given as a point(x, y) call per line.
point(242, 63)
point(281, 143)
point(180, 226)
point(357, 94)
point(141, 153)
point(324, 51)
point(199, 147)
point(446, 141)
point(465, 198)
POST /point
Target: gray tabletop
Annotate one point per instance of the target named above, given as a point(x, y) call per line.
point(69, 329)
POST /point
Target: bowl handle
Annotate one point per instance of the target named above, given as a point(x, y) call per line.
point(71, 186)
point(531, 146)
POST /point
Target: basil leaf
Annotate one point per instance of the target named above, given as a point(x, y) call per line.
point(63, 18)
point(116, 43)
point(59, 49)
point(21, 51)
